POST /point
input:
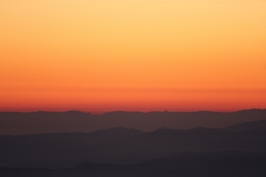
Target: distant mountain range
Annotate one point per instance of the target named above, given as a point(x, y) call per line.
point(16, 123)
point(208, 164)
point(127, 146)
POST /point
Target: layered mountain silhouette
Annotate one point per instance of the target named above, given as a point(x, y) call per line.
point(133, 144)
point(208, 164)
point(126, 146)
point(16, 123)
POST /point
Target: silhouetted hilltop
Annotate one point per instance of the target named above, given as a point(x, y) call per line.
point(260, 124)
point(113, 133)
point(15, 123)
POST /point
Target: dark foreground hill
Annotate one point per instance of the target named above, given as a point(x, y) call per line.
point(125, 146)
point(212, 164)
point(15, 123)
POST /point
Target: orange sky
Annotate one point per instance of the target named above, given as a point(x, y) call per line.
point(143, 55)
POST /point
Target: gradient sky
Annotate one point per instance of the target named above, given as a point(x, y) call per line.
point(132, 55)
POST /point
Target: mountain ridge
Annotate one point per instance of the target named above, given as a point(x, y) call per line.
point(189, 164)
point(122, 145)
point(15, 123)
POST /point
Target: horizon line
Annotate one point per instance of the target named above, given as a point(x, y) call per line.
point(144, 112)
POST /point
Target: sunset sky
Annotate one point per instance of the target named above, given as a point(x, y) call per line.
point(132, 55)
